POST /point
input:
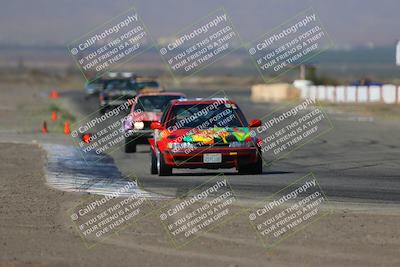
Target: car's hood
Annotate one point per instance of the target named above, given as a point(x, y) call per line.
point(209, 136)
point(151, 90)
point(118, 92)
point(146, 116)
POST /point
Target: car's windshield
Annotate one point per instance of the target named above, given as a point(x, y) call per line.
point(206, 116)
point(141, 85)
point(119, 85)
point(154, 103)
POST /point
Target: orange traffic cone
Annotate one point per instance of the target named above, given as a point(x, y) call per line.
point(54, 94)
point(44, 127)
point(54, 115)
point(67, 130)
point(86, 138)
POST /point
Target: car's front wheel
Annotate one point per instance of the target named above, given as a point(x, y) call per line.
point(102, 110)
point(153, 166)
point(130, 145)
point(162, 168)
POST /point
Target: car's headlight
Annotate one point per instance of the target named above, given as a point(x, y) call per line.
point(240, 144)
point(138, 125)
point(183, 145)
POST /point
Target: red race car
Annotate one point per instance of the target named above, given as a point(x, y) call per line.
point(202, 133)
point(145, 109)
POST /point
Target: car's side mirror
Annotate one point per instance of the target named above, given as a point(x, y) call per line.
point(156, 125)
point(254, 123)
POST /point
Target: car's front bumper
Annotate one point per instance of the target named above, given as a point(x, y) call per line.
point(230, 157)
point(116, 101)
point(113, 103)
point(139, 136)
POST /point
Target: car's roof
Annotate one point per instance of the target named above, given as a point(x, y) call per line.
point(197, 101)
point(161, 94)
point(107, 79)
point(145, 79)
point(121, 74)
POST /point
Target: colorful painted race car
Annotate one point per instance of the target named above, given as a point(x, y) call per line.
point(201, 133)
point(146, 109)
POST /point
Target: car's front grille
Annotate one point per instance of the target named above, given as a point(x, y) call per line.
point(147, 124)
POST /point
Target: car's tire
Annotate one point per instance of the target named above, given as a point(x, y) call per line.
point(255, 168)
point(130, 145)
point(153, 166)
point(162, 168)
point(102, 110)
point(258, 166)
point(243, 169)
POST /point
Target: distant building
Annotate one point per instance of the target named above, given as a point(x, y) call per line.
point(398, 54)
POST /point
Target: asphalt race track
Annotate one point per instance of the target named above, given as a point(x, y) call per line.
point(357, 161)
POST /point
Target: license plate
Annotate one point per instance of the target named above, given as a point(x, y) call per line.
point(212, 158)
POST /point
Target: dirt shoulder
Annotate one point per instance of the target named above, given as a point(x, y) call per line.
point(389, 112)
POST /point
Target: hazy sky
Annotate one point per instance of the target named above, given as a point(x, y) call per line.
point(349, 22)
